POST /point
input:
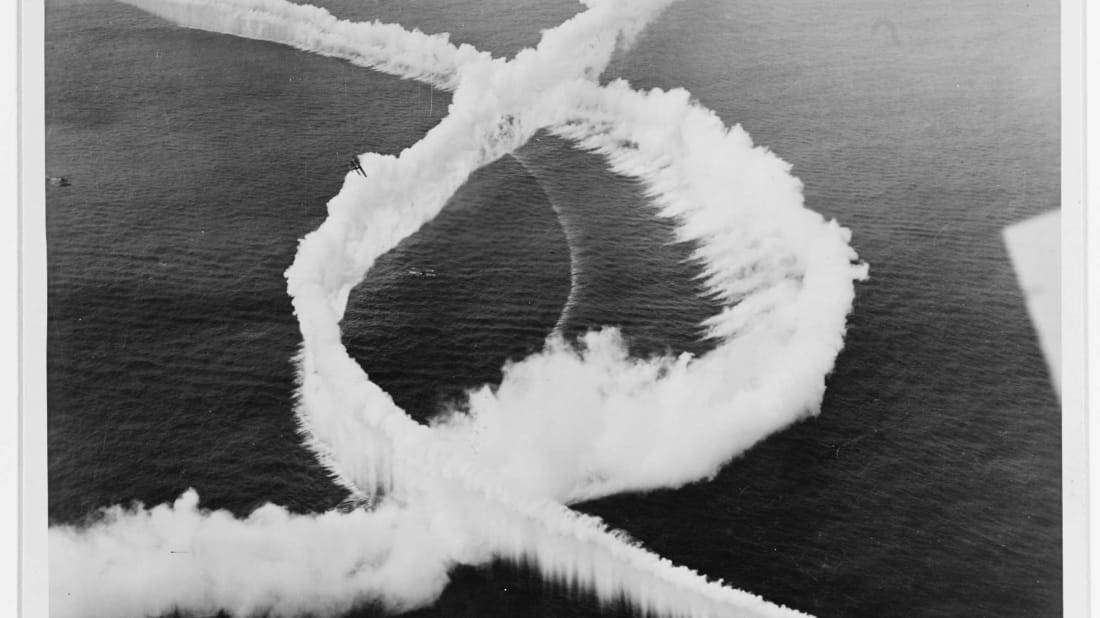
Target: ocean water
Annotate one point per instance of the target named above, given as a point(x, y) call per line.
point(928, 486)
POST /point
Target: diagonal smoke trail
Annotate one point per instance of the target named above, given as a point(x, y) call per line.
point(384, 47)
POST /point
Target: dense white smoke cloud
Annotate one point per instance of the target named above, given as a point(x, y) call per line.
point(566, 424)
point(136, 562)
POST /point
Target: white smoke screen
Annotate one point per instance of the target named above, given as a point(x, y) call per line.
point(575, 421)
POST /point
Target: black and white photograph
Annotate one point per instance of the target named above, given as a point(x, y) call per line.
point(550, 308)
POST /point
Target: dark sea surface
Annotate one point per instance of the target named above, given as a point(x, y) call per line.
point(928, 486)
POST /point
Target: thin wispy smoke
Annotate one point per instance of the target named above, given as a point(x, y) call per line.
point(572, 422)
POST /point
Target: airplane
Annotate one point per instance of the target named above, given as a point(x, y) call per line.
point(356, 165)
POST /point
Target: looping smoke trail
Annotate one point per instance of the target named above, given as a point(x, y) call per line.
point(492, 480)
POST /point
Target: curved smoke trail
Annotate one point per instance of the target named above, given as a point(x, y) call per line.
point(783, 274)
point(492, 480)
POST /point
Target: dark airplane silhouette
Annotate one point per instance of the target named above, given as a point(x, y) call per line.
point(356, 165)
